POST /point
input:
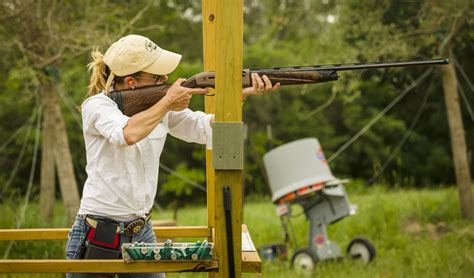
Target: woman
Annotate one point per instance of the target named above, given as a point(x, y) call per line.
point(123, 152)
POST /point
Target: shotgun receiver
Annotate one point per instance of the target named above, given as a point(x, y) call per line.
point(132, 101)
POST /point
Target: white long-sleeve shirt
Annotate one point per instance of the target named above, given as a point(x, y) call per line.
point(122, 180)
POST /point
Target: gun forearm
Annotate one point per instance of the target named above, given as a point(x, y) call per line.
point(291, 77)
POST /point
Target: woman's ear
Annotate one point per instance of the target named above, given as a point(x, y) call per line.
point(130, 82)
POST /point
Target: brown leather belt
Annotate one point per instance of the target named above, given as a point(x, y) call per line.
point(131, 228)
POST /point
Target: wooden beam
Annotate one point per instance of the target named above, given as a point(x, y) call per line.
point(209, 58)
point(102, 266)
point(62, 233)
point(183, 231)
point(209, 62)
point(250, 263)
point(34, 234)
point(229, 45)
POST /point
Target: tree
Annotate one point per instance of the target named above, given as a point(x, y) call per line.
point(42, 34)
point(456, 127)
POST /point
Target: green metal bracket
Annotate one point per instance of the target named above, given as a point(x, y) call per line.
point(228, 146)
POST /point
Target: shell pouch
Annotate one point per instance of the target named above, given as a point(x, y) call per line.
point(103, 241)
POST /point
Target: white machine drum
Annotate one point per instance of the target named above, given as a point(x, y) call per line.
point(296, 165)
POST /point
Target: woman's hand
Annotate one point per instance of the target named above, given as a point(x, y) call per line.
point(177, 97)
point(260, 86)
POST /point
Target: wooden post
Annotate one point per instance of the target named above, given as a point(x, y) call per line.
point(228, 49)
point(209, 62)
point(209, 58)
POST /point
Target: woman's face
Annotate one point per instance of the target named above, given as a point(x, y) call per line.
point(147, 79)
point(138, 80)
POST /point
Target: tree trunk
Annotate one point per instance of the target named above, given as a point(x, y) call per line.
point(458, 142)
point(62, 157)
point(47, 187)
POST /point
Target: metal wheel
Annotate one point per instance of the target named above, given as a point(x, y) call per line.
point(304, 260)
point(361, 249)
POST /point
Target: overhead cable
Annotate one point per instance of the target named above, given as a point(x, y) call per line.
point(382, 113)
point(405, 136)
point(185, 179)
point(461, 90)
point(18, 131)
point(466, 102)
point(463, 73)
point(71, 106)
point(20, 157)
point(21, 218)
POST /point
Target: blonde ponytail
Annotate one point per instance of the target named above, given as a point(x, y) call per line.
point(98, 70)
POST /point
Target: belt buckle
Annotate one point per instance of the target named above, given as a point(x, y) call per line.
point(134, 227)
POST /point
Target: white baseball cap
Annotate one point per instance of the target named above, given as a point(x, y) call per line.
point(135, 53)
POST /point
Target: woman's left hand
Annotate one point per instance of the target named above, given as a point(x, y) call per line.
point(260, 86)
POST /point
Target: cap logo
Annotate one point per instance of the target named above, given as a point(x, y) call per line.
point(150, 46)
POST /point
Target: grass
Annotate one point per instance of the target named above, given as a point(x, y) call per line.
point(417, 233)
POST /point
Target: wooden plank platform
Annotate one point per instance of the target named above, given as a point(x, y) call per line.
point(101, 266)
point(250, 259)
point(62, 233)
point(250, 264)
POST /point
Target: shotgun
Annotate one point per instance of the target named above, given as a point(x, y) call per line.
point(132, 101)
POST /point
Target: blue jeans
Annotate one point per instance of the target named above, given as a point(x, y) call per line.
point(77, 239)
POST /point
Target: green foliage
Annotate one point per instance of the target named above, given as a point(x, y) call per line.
point(276, 33)
point(179, 186)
